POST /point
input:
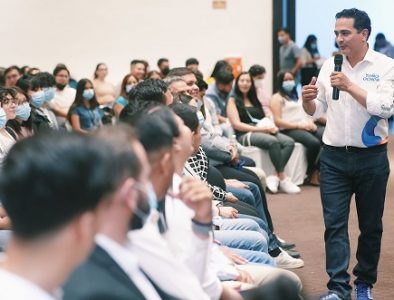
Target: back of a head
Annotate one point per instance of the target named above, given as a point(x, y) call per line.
point(256, 70)
point(188, 114)
point(223, 76)
point(181, 71)
point(191, 61)
point(149, 90)
point(49, 179)
point(42, 80)
point(220, 64)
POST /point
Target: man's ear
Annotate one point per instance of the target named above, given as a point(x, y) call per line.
point(126, 194)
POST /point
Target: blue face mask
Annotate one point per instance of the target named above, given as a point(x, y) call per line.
point(288, 85)
point(3, 118)
point(49, 94)
point(88, 94)
point(145, 204)
point(38, 99)
point(23, 111)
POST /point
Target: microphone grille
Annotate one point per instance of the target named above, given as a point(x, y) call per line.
point(338, 59)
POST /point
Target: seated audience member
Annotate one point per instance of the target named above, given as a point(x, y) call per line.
point(12, 75)
point(137, 69)
point(64, 95)
point(8, 136)
point(104, 90)
point(176, 85)
point(258, 74)
point(84, 114)
point(42, 91)
point(164, 67)
point(192, 64)
point(219, 65)
point(22, 124)
point(189, 77)
point(151, 90)
point(254, 129)
point(291, 118)
point(179, 204)
point(112, 270)
point(61, 190)
point(128, 83)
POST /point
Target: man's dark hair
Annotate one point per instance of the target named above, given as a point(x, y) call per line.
point(49, 179)
point(284, 29)
point(180, 72)
point(188, 114)
point(148, 90)
point(162, 60)
point(256, 70)
point(361, 19)
point(137, 61)
point(223, 76)
point(9, 69)
point(191, 61)
point(59, 68)
point(202, 85)
point(42, 80)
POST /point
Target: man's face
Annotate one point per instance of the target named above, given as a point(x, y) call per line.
point(225, 88)
point(283, 37)
point(193, 67)
point(164, 65)
point(348, 39)
point(11, 78)
point(179, 87)
point(62, 77)
point(138, 70)
point(196, 139)
point(191, 82)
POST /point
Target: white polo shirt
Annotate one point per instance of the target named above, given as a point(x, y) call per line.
point(348, 122)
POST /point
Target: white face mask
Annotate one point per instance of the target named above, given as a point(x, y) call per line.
point(259, 83)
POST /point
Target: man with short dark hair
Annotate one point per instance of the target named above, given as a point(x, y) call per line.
point(53, 187)
point(164, 66)
point(289, 53)
point(137, 69)
point(11, 76)
point(192, 64)
point(354, 156)
point(189, 77)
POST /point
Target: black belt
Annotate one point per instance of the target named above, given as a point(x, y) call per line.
point(357, 149)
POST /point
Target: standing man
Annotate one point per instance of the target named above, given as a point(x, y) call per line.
point(289, 54)
point(354, 157)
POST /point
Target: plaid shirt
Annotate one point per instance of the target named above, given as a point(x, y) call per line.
point(199, 167)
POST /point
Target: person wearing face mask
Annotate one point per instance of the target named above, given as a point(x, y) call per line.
point(84, 114)
point(292, 120)
point(289, 53)
point(309, 56)
point(112, 271)
point(8, 136)
point(128, 83)
point(64, 95)
point(22, 125)
point(164, 67)
point(258, 73)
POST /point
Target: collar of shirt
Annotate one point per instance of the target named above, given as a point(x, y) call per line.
point(15, 287)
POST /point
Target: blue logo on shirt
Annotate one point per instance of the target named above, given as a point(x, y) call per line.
point(368, 135)
point(371, 77)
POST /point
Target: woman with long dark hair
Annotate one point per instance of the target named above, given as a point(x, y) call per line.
point(247, 117)
point(309, 56)
point(84, 114)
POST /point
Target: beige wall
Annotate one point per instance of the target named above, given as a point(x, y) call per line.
point(82, 33)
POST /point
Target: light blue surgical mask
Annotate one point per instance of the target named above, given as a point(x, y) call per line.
point(201, 118)
point(38, 99)
point(129, 87)
point(23, 111)
point(88, 94)
point(144, 205)
point(49, 93)
point(3, 118)
point(288, 85)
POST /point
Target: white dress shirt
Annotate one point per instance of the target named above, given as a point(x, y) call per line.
point(14, 287)
point(348, 122)
point(129, 264)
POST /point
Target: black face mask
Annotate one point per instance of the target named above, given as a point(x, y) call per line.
point(60, 86)
point(165, 71)
point(140, 213)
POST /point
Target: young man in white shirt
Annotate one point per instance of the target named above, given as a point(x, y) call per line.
point(52, 189)
point(354, 157)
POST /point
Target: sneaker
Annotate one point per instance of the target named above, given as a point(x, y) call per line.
point(293, 253)
point(363, 291)
point(272, 182)
point(288, 187)
point(330, 296)
point(285, 261)
point(283, 244)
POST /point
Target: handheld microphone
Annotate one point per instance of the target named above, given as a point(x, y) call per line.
point(338, 60)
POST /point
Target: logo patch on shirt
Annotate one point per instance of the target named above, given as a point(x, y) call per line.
point(371, 77)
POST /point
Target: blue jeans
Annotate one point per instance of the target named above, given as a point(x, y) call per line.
point(241, 233)
point(255, 257)
point(342, 174)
